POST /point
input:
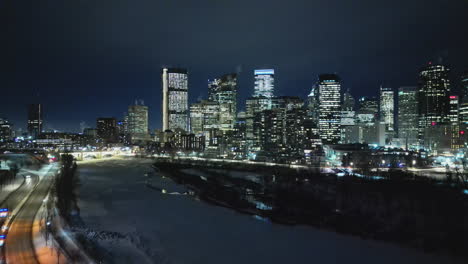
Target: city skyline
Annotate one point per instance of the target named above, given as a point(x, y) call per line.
point(364, 52)
point(234, 131)
point(455, 86)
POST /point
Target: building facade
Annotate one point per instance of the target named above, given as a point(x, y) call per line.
point(464, 84)
point(106, 129)
point(35, 121)
point(6, 130)
point(175, 99)
point(387, 108)
point(433, 96)
point(223, 91)
point(264, 86)
point(329, 99)
point(408, 117)
point(138, 123)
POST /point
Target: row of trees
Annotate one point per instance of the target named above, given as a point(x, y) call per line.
point(64, 187)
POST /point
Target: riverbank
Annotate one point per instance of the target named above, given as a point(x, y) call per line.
point(131, 223)
point(414, 213)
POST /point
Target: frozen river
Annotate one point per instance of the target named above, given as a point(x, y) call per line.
point(161, 228)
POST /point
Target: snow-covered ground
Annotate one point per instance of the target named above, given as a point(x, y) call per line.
point(137, 224)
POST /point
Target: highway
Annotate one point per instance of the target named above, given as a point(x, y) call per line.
point(18, 246)
point(14, 199)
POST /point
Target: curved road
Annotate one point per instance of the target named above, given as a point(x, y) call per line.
point(19, 246)
point(13, 200)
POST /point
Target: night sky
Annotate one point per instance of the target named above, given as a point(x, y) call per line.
point(88, 58)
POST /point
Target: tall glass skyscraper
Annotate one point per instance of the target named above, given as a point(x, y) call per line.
point(464, 84)
point(264, 86)
point(387, 108)
point(138, 122)
point(175, 99)
point(35, 120)
point(224, 92)
point(329, 97)
point(408, 116)
point(433, 95)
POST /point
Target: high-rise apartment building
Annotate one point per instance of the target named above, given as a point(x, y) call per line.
point(175, 99)
point(35, 121)
point(329, 98)
point(387, 108)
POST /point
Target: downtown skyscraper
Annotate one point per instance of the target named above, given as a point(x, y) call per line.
point(433, 95)
point(137, 122)
point(35, 120)
point(106, 128)
point(408, 116)
point(329, 99)
point(464, 84)
point(223, 91)
point(264, 87)
point(175, 99)
point(387, 108)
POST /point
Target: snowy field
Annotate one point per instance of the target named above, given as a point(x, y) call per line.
point(137, 224)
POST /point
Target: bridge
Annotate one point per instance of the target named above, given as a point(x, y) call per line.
point(87, 155)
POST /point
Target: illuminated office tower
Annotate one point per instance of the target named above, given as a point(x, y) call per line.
point(348, 102)
point(387, 108)
point(264, 87)
point(453, 119)
point(107, 129)
point(329, 98)
point(137, 125)
point(464, 84)
point(224, 92)
point(368, 105)
point(433, 95)
point(5, 130)
point(204, 117)
point(35, 120)
point(312, 104)
point(463, 119)
point(175, 99)
point(463, 113)
point(408, 116)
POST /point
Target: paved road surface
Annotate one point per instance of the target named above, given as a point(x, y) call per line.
point(19, 245)
point(14, 199)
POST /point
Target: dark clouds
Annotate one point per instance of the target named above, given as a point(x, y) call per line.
point(89, 58)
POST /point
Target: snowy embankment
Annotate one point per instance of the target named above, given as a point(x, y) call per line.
point(131, 223)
